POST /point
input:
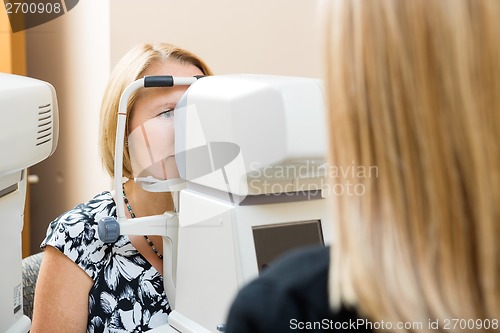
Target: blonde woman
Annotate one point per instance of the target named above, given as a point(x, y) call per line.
point(84, 284)
point(413, 88)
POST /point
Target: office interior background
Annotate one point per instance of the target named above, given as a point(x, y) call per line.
point(76, 52)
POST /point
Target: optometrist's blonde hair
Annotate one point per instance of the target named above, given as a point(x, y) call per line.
point(413, 88)
point(131, 67)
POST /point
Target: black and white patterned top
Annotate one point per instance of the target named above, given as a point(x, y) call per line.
point(128, 293)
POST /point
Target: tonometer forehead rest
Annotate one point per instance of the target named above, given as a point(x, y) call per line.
point(168, 80)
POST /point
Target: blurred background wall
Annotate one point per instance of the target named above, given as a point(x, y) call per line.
point(76, 52)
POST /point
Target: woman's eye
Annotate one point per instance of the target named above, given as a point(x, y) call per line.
point(166, 114)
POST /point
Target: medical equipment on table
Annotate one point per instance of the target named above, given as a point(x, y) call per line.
point(28, 135)
point(250, 155)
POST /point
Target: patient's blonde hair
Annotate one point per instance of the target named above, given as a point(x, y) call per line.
point(131, 67)
point(413, 88)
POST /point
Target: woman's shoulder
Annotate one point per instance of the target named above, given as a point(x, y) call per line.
point(79, 224)
point(92, 211)
point(84, 216)
point(74, 233)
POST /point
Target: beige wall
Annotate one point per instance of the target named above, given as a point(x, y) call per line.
point(72, 53)
point(76, 51)
point(233, 36)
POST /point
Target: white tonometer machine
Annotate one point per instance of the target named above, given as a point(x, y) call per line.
point(248, 178)
point(28, 135)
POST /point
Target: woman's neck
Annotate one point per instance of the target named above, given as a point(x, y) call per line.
point(146, 203)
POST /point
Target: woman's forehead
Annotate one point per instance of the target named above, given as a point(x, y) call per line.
point(172, 67)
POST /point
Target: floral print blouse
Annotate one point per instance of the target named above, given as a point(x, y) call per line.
point(128, 293)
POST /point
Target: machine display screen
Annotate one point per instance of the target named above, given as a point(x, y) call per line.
point(273, 240)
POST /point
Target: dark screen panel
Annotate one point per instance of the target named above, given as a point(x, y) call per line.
point(273, 240)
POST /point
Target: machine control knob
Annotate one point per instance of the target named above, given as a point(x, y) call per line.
point(108, 229)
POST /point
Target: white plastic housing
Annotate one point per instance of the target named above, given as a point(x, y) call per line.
point(254, 127)
point(28, 122)
point(28, 135)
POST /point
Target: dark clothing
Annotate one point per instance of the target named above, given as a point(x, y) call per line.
point(291, 296)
